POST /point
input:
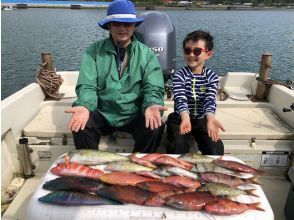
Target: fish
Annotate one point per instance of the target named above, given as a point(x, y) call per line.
point(171, 161)
point(157, 186)
point(239, 167)
point(220, 189)
point(215, 177)
point(182, 172)
point(123, 178)
point(162, 171)
point(92, 157)
point(149, 174)
point(73, 183)
point(131, 195)
point(126, 166)
point(210, 167)
point(75, 198)
point(182, 181)
point(74, 169)
point(152, 157)
point(190, 201)
point(225, 206)
point(141, 161)
point(195, 158)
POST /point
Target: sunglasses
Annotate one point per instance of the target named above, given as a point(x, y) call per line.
point(196, 51)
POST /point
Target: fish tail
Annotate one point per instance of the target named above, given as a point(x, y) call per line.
point(251, 192)
point(254, 180)
point(255, 206)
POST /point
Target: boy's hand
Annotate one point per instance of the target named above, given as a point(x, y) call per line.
point(213, 126)
point(152, 116)
point(185, 126)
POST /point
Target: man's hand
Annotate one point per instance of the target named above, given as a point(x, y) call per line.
point(79, 118)
point(152, 116)
point(213, 126)
point(185, 126)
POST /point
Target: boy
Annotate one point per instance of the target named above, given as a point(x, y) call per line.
point(195, 89)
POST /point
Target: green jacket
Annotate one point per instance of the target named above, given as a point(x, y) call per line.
point(119, 100)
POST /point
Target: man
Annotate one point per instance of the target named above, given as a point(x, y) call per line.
point(120, 86)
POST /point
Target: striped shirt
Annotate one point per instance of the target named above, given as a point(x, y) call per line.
point(195, 93)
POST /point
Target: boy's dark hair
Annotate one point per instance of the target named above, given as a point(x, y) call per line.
point(200, 35)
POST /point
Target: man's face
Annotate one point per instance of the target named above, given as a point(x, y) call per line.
point(196, 54)
point(121, 32)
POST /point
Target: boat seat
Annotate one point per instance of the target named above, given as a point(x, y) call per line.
point(52, 122)
point(240, 124)
point(252, 122)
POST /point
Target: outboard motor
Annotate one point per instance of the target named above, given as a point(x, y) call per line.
point(158, 32)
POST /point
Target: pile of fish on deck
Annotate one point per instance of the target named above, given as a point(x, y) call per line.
point(191, 182)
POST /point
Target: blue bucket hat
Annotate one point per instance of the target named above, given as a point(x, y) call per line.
point(121, 11)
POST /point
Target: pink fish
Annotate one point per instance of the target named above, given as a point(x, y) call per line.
point(214, 177)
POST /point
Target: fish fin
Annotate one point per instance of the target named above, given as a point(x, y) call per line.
point(60, 160)
point(220, 158)
point(260, 172)
point(194, 168)
point(253, 180)
point(190, 189)
point(66, 161)
point(201, 180)
point(251, 192)
point(132, 155)
point(255, 206)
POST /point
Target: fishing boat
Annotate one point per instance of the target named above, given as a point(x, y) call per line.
point(257, 113)
point(7, 8)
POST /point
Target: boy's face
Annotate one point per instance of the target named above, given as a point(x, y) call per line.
point(196, 58)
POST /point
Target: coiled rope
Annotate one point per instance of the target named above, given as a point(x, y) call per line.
point(50, 82)
point(269, 82)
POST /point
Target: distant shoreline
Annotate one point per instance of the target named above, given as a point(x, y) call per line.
point(160, 8)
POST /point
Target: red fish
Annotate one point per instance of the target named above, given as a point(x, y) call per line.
point(236, 166)
point(141, 161)
point(74, 169)
point(229, 207)
point(131, 194)
point(182, 181)
point(149, 174)
point(156, 186)
point(151, 157)
point(170, 161)
point(190, 201)
point(123, 178)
